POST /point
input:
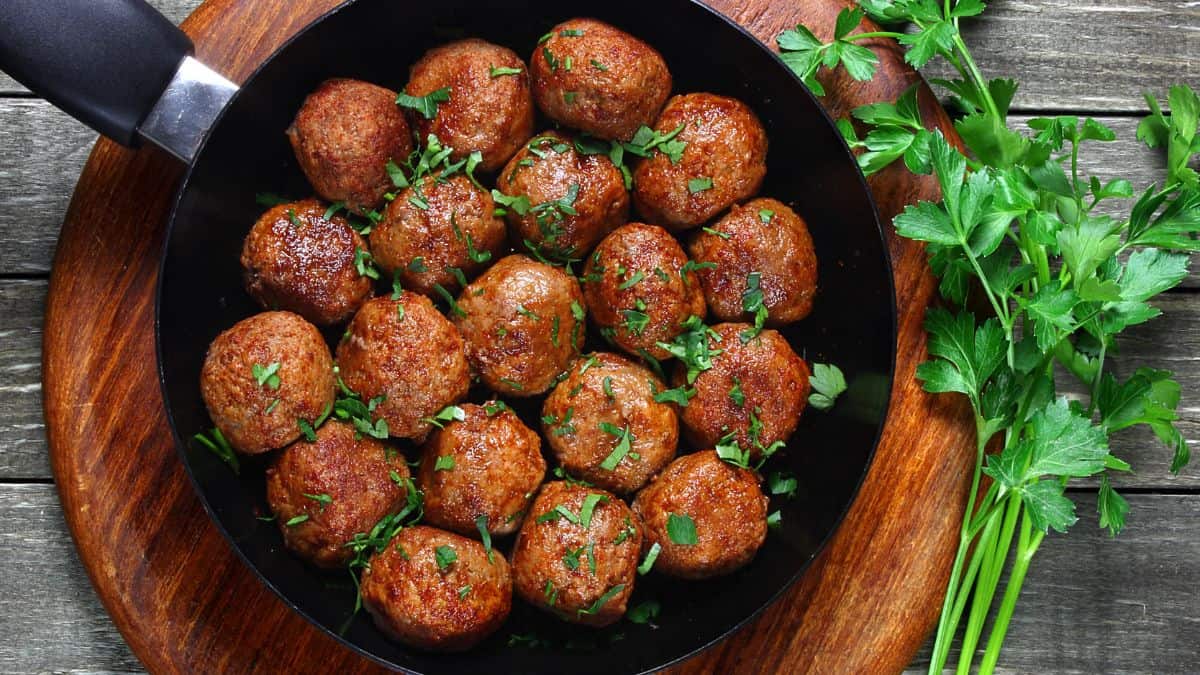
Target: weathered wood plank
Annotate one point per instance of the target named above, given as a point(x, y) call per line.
point(1137, 592)
point(1126, 605)
point(1171, 342)
point(1085, 54)
point(53, 620)
point(1067, 54)
point(22, 430)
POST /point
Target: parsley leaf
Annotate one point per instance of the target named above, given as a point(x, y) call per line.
point(425, 105)
point(828, 383)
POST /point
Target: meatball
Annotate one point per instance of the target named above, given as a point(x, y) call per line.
point(577, 554)
point(762, 237)
point(489, 109)
point(296, 259)
point(604, 425)
point(406, 352)
point(723, 162)
point(262, 375)
point(324, 492)
point(343, 137)
point(438, 591)
point(576, 198)
point(755, 390)
point(640, 288)
point(436, 226)
point(523, 322)
point(591, 76)
point(721, 502)
point(484, 464)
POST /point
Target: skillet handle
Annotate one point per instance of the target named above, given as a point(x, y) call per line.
point(106, 63)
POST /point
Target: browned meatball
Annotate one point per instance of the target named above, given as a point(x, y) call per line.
point(523, 322)
point(762, 236)
point(324, 492)
point(264, 374)
point(577, 554)
point(484, 464)
point(434, 227)
point(406, 351)
point(640, 288)
point(435, 590)
point(755, 390)
point(605, 427)
point(490, 109)
point(721, 502)
point(591, 76)
point(723, 162)
point(343, 137)
point(575, 198)
point(296, 259)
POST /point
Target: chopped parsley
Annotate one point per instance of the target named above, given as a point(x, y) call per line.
point(700, 184)
point(322, 499)
point(365, 264)
point(501, 71)
point(679, 396)
point(445, 557)
point(519, 204)
point(590, 502)
point(291, 214)
point(692, 347)
point(296, 520)
point(417, 265)
point(775, 520)
point(752, 301)
point(765, 215)
point(716, 233)
point(651, 556)
point(444, 463)
point(828, 383)
point(485, 535)
point(782, 483)
point(636, 321)
point(681, 529)
point(462, 592)
point(646, 140)
point(216, 443)
point(602, 600)
point(599, 66)
point(571, 32)
point(569, 96)
point(449, 298)
point(624, 443)
point(527, 313)
point(735, 393)
point(512, 384)
point(608, 391)
point(644, 613)
point(426, 105)
point(632, 280)
point(267, 375)
point(450, 413)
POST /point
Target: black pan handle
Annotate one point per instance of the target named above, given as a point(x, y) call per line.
point(106, 63)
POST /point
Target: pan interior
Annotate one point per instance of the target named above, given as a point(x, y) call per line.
point(808, 167)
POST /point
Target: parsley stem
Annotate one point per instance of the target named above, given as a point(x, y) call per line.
point(873, 34)
point(985, 94)
point(1027, 545)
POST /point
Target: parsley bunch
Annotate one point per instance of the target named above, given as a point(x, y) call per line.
point(1061, 279)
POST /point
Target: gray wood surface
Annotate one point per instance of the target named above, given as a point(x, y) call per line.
point(1090, 605)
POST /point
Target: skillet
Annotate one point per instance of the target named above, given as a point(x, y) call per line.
point(123, 69)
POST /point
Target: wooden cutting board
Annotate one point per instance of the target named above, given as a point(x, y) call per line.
point(187, 604)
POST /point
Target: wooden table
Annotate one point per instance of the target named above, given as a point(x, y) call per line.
point(1090, 604)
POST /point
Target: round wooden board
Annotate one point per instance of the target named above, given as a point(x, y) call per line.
point(187, 604)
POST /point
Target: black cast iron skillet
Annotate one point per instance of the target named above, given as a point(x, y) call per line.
point(116, 65)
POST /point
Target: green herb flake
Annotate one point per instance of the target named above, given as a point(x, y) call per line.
point(425, 105)
point(681, 529)
point(501, 71)
point(485, 535)
point(444, 463)
point(296, 520)
point(827, 383)
point(644, 613)
point(215, 442)
point(445, 557)
point(602, 600)
point(765, 215)
point(464, 591)
point(735, 393)
point(622, 448)
point(700, 184)
point(716, 233)
point(599, 66)
point(651, 555)
point(267, 375)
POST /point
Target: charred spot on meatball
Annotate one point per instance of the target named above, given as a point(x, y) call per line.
point(480, 471)
point(326, 491)
point(605, 427)
point(576, 556)
point(523, 322)
point(487, 107)
point(343, 137)
point(723, 161)
point(436, 590)
point(706, 516)
point(573, 198)
point(765, 238)
point(434, 231)
point(404, 355)
point(754, 392)
point(263, 375)
point(591, 76)
point(296, 259)
point(640, 288)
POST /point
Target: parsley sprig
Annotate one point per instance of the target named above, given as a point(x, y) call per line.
point(1062, 279)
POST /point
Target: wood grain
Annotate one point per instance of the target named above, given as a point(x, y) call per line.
point(1059, 49)
point(1137, 591)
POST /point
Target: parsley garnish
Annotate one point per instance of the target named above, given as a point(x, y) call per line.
point(651, 556)
point(485, 535)
point(827, 383)
point(445, 557)
point(501, 71)
point(450, 301)
point(752, 301)
point(365, 264)
point(692, 347)
point(681, 529)
point(632, 281)
point(444, 463)
point(646, 140)
point(269, 199)
point(716, 233)
point(735, 393)
point(426, 105)
point(765, 215)
point(590, 502)
point(322, 499)
point(463, 591)
point(624, 443)
point(266, 375)
point(700, 184)
point(417, 265)
point(782, 483)
point(216, 443)
point(599, 66)
point(644, 613)
point(602, 600)
point(450, 413)
point(679, 396)
point(296, 520)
